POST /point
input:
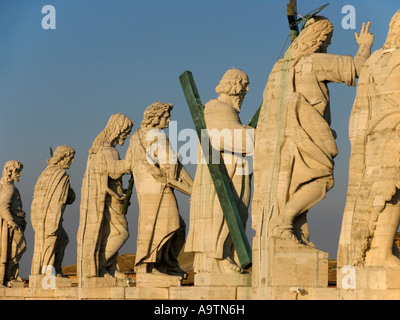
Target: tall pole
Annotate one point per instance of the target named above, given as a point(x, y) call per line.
point(292, 18)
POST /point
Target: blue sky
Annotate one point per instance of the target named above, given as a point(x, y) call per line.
point(60, 86)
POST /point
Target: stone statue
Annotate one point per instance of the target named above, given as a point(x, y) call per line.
point(12, 224)
point(294, 152)
point(295, 146)
point(51, 195)
point(103, 229)
point(208, 235)
point(157, 172)
point(372, 212)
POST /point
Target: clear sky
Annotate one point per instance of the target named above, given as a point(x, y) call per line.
point(60, 86)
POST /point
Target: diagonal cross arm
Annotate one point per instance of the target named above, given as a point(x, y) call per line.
point(218, 173)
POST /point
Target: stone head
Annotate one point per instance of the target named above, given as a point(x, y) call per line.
point(315, 37)
point(157, 115)
point(234, 83)
point(12, 171)
point(63, 157)
point(116, 132)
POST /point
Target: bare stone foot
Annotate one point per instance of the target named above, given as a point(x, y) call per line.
point(228, 266)
point(285, 234)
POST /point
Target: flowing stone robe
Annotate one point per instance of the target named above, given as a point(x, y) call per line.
point(161, 229)
point(52, 193)
point(374, 173)
point(12, 242)
point(295, 145)
point(208, 235)
point(103, 228)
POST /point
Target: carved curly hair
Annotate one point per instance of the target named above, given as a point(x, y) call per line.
point(229, 83)
point(9, 167)
point(154, 113)
point(60, 154)
point(310, 39)
point(117, 124)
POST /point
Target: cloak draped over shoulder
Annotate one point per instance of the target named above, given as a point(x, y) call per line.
point(50, 197)
point(104, 170)
point(295, 144)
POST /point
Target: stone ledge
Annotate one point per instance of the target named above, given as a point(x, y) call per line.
point(223, 280)
point(197, 293)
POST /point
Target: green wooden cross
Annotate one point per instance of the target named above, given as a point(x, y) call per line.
point(218, 173)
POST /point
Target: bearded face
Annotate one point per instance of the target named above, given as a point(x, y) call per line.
point(242, 87)
point(67, 161)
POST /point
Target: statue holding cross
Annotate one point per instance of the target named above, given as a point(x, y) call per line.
point(210, 237)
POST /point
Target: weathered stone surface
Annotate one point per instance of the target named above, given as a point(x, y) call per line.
point(103, 229)
point(157, 280)
point(209, 235)
point(225, 279)
point(48, 281)
point(12, 224)
point(51, 195)
point(157, 172)
point(372, 213)
point(295, 146)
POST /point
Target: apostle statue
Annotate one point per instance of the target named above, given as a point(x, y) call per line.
point(157, 172)
point(51, 195)
point(12, 224)
point(103, 228)
point(295, 146)
point(209, 237)
point(372, 212)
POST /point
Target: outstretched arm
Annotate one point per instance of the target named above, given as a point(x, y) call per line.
point(364, 40)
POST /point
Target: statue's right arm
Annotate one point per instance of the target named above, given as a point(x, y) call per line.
point(116, 168)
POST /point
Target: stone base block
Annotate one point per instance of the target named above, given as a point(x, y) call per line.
point(101, 282)
point(101, 293)
point(157, 280)
point(371, 278)
point(204, 293)
point(48, 281)
point(16, 284)
point(221, 279)
point(294, 265)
